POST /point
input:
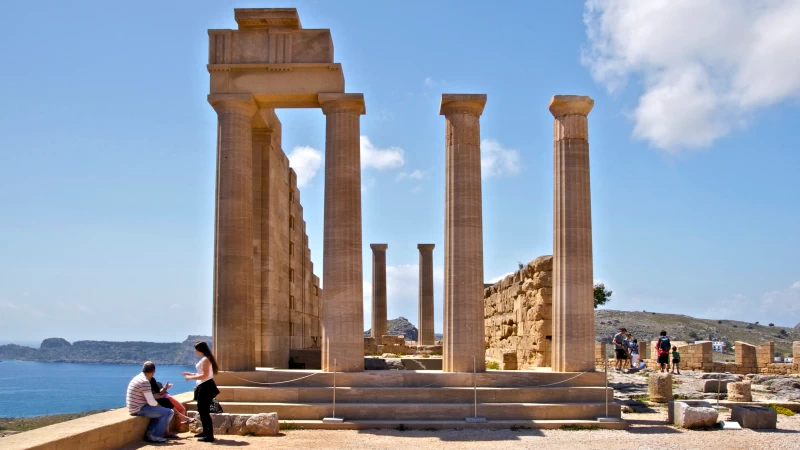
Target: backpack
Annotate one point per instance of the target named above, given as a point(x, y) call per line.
point(664, 345)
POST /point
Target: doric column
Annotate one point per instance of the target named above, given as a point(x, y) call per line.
point(378, 291)
point(342, 296)
point(573, 292)
point(425, 318)
point(234, 325)
point(463, 234)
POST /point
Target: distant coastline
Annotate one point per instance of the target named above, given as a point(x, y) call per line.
point(105, 352)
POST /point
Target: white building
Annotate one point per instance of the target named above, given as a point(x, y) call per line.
point(718, 346)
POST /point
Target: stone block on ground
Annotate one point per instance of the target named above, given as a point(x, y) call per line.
point(739, 391)
point(713, 386)
point(264, 424)
point(660, 387)
point(755, 417)
point(694, 416)
point(671, 407)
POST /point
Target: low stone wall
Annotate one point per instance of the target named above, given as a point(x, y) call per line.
point(391, 344)
point(104, 431)
point(518, 317)
point(748, 359)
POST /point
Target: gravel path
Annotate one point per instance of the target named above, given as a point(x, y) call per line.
point(646, 431)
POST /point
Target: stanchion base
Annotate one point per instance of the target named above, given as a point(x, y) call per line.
point(608, 419)
point(730, 426)
point(333, 420)
point(476, 419)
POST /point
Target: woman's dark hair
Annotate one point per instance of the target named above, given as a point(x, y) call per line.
point(202, 347)
point(663, 333)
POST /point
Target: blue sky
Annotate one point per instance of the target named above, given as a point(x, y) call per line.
point(107, 152)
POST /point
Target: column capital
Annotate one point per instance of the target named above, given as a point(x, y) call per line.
point(243, 103)
point(378, 247)
point(426, 247)
point(339, 102)
point(462, 103)
point(564, 105)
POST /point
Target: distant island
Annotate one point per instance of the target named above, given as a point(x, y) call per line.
point(106, 352)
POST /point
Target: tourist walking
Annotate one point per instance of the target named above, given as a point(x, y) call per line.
point(676, 360)
point(620, 349)
point(634, 348)
point(140, 402)
point(206, 388)
point(663, 346)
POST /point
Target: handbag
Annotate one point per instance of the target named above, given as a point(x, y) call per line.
point(215, 408)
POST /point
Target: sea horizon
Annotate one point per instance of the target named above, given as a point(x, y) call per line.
point(33, 388)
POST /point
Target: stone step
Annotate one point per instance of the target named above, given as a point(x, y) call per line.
point(410, 378)
point(414, 395)
point(450, 424)
point(425, 411)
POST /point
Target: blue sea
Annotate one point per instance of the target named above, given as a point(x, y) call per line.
point(36, 388)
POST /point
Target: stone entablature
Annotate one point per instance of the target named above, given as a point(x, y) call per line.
point(518, 317)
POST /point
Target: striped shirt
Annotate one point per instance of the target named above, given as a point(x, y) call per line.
point(135, 398)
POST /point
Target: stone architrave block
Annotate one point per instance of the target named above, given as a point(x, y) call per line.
point(739, 391)
point(660, 387)
point(755, 417)
point(694, 416)
point(264, 424)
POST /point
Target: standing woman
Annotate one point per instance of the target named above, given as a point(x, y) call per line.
point(206, 388)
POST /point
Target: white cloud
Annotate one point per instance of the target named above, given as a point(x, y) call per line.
point(705, 66)
point(796, 285)
point(82, 308)
point(306, 162)
point(499, 277)
point(8, 305)
point(416, 175)
point(430, 82)
point(497, 160)
point(416, 189)
point(380, 158)
point(784, 303)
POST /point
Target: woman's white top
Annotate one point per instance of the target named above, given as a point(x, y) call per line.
point(206, 376)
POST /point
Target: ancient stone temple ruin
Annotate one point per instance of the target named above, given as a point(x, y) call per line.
point(268, 302)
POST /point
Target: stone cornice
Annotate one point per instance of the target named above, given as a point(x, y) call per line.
point(338, 102)
point(462, 103)
point(379, 247)
point(273, 67)
point(563, 105)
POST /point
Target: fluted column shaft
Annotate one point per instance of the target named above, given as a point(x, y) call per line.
point(379, 324)
point(425, 319)
point(573, 292)
point(463, 246)
point(342, 295)
point(233, 326)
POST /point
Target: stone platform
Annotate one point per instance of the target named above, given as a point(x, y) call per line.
point(422, 398)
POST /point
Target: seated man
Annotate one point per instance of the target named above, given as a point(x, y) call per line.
point(140, 402)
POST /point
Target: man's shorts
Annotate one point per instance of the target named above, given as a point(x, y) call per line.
point(663, 359)
point(676, 361)
point(621, 353)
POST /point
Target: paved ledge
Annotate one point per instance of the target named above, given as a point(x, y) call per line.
point(105, 431)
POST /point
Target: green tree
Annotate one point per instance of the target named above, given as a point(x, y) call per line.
point(601, 295)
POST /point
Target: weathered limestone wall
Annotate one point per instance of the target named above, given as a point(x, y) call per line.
point(518, 317)
point(287, 292)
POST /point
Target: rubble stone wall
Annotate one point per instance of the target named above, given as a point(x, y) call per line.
point(749, 359)
point(518, 312)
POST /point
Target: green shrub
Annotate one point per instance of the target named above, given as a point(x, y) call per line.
point(493, 365)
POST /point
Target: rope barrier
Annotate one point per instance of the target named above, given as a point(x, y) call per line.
point(276, 382)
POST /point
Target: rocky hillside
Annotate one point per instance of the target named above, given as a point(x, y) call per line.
point(60, 350)
point(399, 326)
point(647, 325)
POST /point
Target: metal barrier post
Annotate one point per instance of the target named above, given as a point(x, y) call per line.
point(333, 419)
point(475, 418)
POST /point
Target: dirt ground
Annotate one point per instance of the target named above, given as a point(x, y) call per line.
point(648, 430)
